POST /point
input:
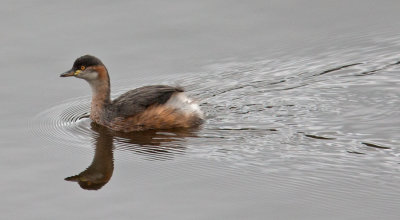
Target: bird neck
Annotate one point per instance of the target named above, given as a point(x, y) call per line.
point(100, 97)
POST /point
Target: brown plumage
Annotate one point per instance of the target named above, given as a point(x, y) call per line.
point(155, 117)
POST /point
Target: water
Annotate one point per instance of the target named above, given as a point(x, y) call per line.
point(301, 99)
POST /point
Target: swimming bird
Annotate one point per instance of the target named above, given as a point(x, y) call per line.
point(147, 107)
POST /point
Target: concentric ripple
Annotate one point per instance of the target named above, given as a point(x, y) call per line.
point(67, 123)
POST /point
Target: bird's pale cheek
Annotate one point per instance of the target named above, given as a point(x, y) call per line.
point(93, 75)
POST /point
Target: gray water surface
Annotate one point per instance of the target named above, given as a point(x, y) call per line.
point(301, 99)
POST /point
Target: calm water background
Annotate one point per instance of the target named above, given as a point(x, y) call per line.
point(302, 101)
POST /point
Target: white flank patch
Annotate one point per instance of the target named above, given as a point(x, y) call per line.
point(182, 102)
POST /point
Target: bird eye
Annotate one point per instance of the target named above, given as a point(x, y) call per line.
point(83, 67)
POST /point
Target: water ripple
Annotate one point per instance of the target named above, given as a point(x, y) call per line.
point(318, 111)
point(66, 123)
point(336, 109)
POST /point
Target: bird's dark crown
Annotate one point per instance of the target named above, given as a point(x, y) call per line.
point(86, 61)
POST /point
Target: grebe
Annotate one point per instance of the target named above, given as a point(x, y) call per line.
point(148, 107)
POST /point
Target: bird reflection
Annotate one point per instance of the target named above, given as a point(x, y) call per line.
point(154, 144)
